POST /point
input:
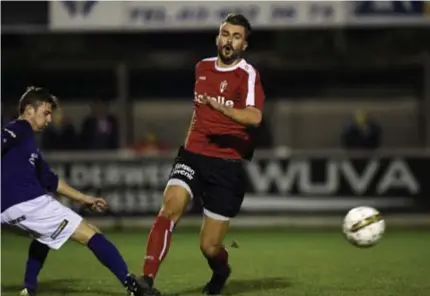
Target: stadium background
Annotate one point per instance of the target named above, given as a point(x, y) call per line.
point(321, 63)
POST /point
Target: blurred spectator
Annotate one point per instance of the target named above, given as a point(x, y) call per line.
point(149, 144)
point(60, 134)
point(100, 129)
point(361, 133)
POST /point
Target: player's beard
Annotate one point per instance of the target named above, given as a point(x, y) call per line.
point(230, 59)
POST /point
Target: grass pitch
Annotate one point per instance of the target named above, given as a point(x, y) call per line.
point(267, 263)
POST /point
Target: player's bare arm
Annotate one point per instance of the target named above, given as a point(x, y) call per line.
point(247, 116)
point(98, 204)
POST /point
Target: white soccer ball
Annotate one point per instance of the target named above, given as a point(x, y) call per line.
point(363, 226)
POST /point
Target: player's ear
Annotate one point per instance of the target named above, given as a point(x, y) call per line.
point(216, 40)
point(245, 46)
point(29, 109)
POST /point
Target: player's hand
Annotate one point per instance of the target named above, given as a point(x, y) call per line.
point(213, 104)
point(96, 204)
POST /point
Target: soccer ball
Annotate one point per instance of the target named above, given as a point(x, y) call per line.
point(363, 226)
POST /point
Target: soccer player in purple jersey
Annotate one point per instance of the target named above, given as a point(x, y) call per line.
point(27, 203)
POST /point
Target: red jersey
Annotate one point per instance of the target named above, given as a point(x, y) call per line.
point(211, 132)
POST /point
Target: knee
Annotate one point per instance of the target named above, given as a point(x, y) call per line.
point(210, 247)
point(95, 228)
point(84, 232)
point(174, 203)
point(170, 212)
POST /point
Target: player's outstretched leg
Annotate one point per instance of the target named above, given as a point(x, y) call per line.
point(175, 201)
point(37, 254)
point(56, 224)
point(108, 255)
point(211, 243)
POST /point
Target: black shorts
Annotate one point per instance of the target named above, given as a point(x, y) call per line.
point(219, 183)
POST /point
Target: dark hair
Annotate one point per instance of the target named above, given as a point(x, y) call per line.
point(35, 96)
point(239, 20)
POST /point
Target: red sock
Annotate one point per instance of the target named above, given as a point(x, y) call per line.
point(158, 245)
point(220, 261)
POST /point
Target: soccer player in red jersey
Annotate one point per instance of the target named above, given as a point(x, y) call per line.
point(228, 104)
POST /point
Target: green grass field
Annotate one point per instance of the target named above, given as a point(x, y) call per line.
point(293, 263)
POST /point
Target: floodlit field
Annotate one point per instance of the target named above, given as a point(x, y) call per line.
point(293, 263)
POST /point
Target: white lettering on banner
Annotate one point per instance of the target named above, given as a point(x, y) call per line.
point(273, 173)
point(83, 175)
point(308, 187)
point(116, 174)
point(359, 183)
point(396, 176)
point(177, 15)
point(113, 175)
point(133, 200)
point(172, 13)
point(297, 172)
point(321, 11)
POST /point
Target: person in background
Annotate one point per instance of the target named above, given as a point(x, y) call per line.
point(60, 135)
point(149, 144)
point(361, 133)
point(100, 129)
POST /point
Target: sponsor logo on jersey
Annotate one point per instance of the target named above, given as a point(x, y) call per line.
point(33, 158)
point(223, 86)
point(220, 99)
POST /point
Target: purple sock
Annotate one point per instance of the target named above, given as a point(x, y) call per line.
point(37, 254)
point(109, 255)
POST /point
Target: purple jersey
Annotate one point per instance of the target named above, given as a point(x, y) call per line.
point(24, 173)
